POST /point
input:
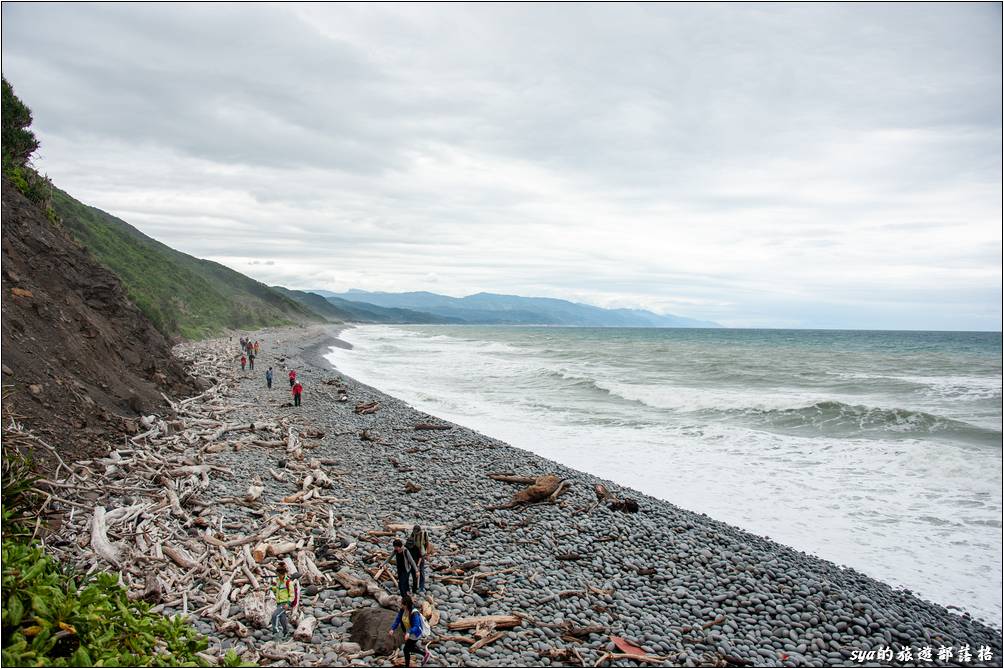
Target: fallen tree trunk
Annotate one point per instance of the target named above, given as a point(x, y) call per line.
point(542, 488)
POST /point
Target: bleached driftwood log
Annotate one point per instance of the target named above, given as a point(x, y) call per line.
point(258, 609)
point(99, 538)
point(305, 629)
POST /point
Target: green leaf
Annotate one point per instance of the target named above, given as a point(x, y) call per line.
point(15, 611)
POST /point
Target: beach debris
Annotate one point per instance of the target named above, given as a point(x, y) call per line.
point(366, 435)
point(410, 487)
point(432, 426)
point(498, 621)
point(255, 489)
point(629, 651)
point(364, 408)
point(398, 465)
point(569, 656)
point(544, 488)
point(613, 502)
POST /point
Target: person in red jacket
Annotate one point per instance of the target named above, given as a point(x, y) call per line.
point(244, 361)
point(292, 377)
point(297, 391)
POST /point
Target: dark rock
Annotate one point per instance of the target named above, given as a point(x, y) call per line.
point(369, 630)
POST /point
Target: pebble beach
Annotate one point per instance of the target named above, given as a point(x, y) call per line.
point(683, 587)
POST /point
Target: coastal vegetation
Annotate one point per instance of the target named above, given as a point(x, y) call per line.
point(53, 616)
point(182, 295)
point(19, 143)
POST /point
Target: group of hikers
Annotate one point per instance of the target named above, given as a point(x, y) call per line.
point(411, 559)
point(249, 351)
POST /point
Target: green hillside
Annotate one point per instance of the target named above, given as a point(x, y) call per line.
point(183, 296)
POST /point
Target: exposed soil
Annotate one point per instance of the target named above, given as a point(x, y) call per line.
point(80, 361)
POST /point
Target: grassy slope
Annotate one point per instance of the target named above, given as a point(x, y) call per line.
point(183, 296)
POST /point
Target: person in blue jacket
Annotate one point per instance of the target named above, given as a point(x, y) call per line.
point(413, 630)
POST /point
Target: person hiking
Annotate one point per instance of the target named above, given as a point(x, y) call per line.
point(268, 378)
point(251, 360)
point(407, 570)
point(297, 391)
point(415, 628)
point(287, 596)
point(244, 362)
point(256, 347)
point(418, 546)
point(292, 377)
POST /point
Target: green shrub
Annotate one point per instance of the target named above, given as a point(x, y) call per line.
point(51, 619)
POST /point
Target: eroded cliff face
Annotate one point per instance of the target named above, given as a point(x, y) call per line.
point(80, 361)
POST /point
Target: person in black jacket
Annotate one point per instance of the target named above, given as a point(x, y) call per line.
point(407, 570)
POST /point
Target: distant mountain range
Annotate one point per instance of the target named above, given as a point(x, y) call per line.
point(495, 309)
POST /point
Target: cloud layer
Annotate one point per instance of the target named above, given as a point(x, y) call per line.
point(758, 165)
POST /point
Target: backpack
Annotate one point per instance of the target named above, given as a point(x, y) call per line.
point(413, 548)
point(426, 630)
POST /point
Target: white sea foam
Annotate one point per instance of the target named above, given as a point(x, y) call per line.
point(906, 499)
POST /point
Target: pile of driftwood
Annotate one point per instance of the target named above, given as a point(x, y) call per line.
point(149, 511)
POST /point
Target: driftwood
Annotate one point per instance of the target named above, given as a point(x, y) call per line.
point(257, 609)
point(542, 488)
point(432, 426)
point(499, 621)
point(367, 408)
point(180, 557)
point(159, 519)
point(629, 652)
point(305, 629)
point(255, 489)
point(99, 538)
point(364, 586)
point(613, 502)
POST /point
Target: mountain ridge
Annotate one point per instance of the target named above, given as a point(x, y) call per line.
point(498, 308)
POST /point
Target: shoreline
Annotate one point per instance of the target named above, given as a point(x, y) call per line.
point(814, 519)
point(683, 587)
point(677, 587)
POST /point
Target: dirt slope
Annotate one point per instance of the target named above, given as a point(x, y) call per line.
point(82, 361)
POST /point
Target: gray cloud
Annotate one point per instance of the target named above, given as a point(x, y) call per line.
point(754, 164)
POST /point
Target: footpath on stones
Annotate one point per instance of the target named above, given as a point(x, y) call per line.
point(533, 564)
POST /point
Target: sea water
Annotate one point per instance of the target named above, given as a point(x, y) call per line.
point(875, 450)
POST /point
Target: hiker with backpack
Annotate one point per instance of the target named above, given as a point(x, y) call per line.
point(287, 597)
point(292, 377)
point(268, 378)
point(418, 545)
point(416, 627)
point(250, 359)
point(297, 391)
point(244, 362)
point(407, 570)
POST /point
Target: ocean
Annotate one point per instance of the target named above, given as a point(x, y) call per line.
point(880, 451)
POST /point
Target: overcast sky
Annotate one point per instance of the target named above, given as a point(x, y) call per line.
point(790, 165)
